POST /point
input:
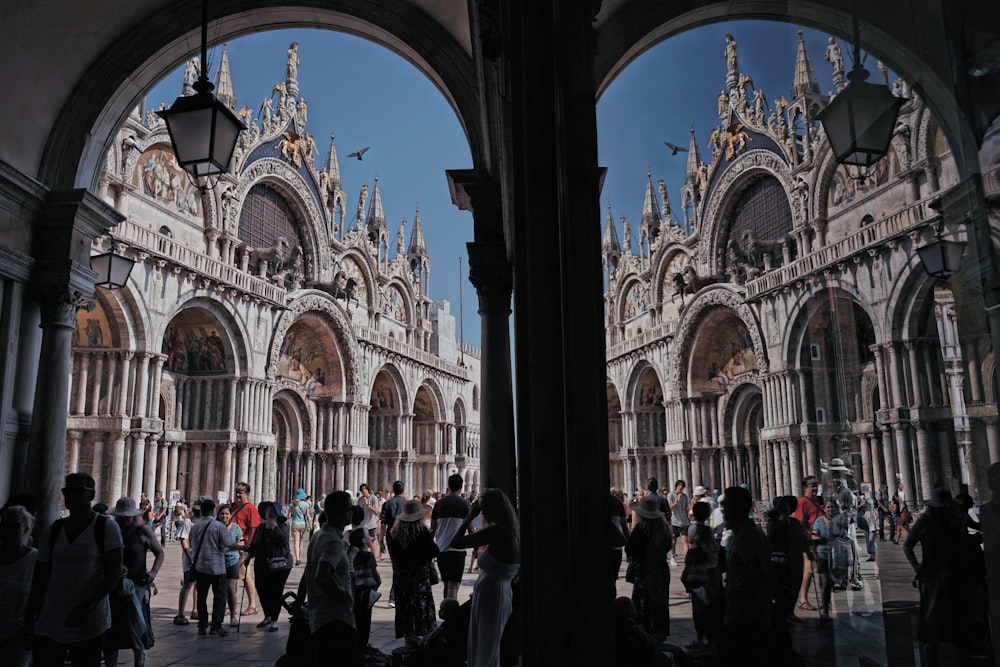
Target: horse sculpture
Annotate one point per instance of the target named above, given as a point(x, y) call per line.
point(345, 288)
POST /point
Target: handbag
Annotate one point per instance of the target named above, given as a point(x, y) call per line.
point(432, 574)
point(278, 563)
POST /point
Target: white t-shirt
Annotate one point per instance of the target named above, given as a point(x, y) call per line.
point(77, 575)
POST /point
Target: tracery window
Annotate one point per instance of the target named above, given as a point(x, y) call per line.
point(265, 217)
point(762, 209)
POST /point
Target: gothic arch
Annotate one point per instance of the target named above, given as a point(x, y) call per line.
point(434, 389)
point(671, 256)
point(292, 413)
point(127, 319)
point(289, 183)
point(409, 305)
point(332, 314)
point(233, 332)
point(730, 186)
point(743, 403)
point(792, 334)
point(633, 389)
point(706, 301)
point(369, 274)
point(397, 385)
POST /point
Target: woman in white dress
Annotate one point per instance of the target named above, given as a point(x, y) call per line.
point(499, 563)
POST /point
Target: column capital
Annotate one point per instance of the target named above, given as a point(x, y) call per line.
point(490, 272)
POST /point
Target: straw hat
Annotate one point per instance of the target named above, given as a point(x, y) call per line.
point(125, 507)
point(414, 510)
point(838, 464)
point(648, 508)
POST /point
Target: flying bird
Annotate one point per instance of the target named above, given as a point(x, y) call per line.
point(674, 148)
point(359, 154)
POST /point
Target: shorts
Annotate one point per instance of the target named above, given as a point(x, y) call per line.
point(451, 564)
point(244, 571)
point(679, 530)
point(300, 530)
point(187, 579)
point(233, 571)
point(808, 564)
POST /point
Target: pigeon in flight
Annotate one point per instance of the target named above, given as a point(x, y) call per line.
point(359, 154)
point(674, 148)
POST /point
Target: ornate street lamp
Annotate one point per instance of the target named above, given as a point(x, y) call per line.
point(112, 269)
point(941, 259)
point(203, 130)
point(860, 120)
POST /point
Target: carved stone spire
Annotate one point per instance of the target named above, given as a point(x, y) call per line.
point(693, 160)
point(376, 216)
point(650, 207)
point(610, 244)
point(332, 167)
point(417, 255)
point(804, 81)
point(224, 81)
point(417, 247)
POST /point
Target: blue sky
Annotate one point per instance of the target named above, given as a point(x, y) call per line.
point(371, 97)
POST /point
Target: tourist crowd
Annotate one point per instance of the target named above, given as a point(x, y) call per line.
point(82, 591)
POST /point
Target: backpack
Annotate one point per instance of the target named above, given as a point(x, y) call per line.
point(99, 528)
point(863, 522)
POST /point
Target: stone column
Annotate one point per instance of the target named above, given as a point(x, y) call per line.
point(117, 468)
point(923, 455)
point(152, 465)
point(95, 390)
point(490, 273)
point(993, 440)
point(124, 371)
point(911, 349)
point(73, 450)
point(62, 282)
point(795, 467)
point(81, 383)
point(141, 385)
point(227, 467)
point(867, 474)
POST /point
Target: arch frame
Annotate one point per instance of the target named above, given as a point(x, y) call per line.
point(160, 41)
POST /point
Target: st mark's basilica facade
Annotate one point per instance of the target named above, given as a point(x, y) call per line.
point(773, 317)
point(778, 316)
point(274, 330)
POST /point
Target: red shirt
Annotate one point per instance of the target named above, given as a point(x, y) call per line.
point(247, 518)
point(807, 512)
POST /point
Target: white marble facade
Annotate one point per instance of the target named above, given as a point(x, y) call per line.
point(267, 333)
point(780, 316)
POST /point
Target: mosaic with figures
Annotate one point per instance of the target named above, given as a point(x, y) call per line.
point(159, 176)
point(303, 360)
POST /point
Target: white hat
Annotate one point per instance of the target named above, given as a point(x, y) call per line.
point(838, 464)
point(699, 491)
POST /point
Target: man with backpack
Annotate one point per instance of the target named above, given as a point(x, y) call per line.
point(390, 510)
point(79, 564)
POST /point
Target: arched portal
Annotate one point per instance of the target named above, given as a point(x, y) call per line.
point(619, 463)
point(389, 460)
point(429, 470)
point(646, 402)
point(294, 462)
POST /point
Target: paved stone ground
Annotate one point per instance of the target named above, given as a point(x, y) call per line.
point(874, 626)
